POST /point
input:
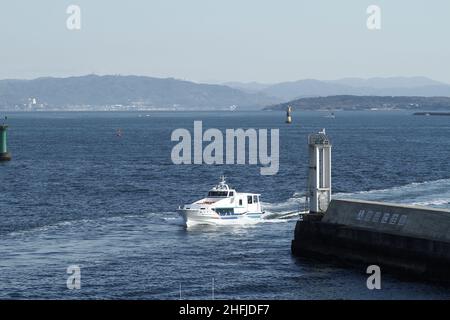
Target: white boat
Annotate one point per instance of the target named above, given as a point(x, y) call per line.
point(223, 205)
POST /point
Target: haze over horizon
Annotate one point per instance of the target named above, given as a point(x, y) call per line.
point(233, 83)
point(262, 41)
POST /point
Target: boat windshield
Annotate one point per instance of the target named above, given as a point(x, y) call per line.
point(218, 194)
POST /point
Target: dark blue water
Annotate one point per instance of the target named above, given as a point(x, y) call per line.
point(76, 194)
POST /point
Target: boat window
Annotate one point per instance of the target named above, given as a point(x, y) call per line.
point(255, 199)
point(217, 194)
point(249, 199)
point(225, 211)
point(240, 202)
point(231, 194)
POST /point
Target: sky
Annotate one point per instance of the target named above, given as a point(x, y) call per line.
point(228, 40)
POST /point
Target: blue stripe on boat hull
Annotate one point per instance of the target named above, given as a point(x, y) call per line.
point(237, 216)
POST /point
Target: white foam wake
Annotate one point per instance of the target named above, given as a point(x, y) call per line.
point(430, 193)
point(284, 209)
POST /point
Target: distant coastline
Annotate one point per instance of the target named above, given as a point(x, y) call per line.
point(142, 93)
point(359, 103)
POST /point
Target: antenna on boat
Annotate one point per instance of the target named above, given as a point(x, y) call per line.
point(222, 179)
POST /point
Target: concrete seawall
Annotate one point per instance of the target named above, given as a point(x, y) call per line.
point(406, 238)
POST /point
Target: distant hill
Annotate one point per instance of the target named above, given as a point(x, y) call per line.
point(349, 102)
point(391, 82)
point(393, 86)
point(251, 87)
point(115, 92)
point(141, 91)
point(306, 88)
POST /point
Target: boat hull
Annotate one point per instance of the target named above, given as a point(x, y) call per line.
point(209, 217)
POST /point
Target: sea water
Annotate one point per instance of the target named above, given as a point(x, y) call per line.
point(76, 193)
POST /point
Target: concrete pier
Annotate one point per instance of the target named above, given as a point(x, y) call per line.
point(4, 154)
point(406, 238)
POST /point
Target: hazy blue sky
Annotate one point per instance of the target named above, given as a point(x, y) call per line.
point(244, 40)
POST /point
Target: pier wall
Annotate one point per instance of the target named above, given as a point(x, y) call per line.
point(407, 238)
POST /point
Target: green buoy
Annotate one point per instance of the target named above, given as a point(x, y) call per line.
point(4, 154)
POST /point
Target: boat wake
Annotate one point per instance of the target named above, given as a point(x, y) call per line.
point(430, 193)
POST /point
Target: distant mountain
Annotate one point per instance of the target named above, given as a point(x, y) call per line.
point(349, 102)
point(115, 92)
point(393, 86)
point(306, 88)
point(392, 82)
point(140, 91)
point(250, 87)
